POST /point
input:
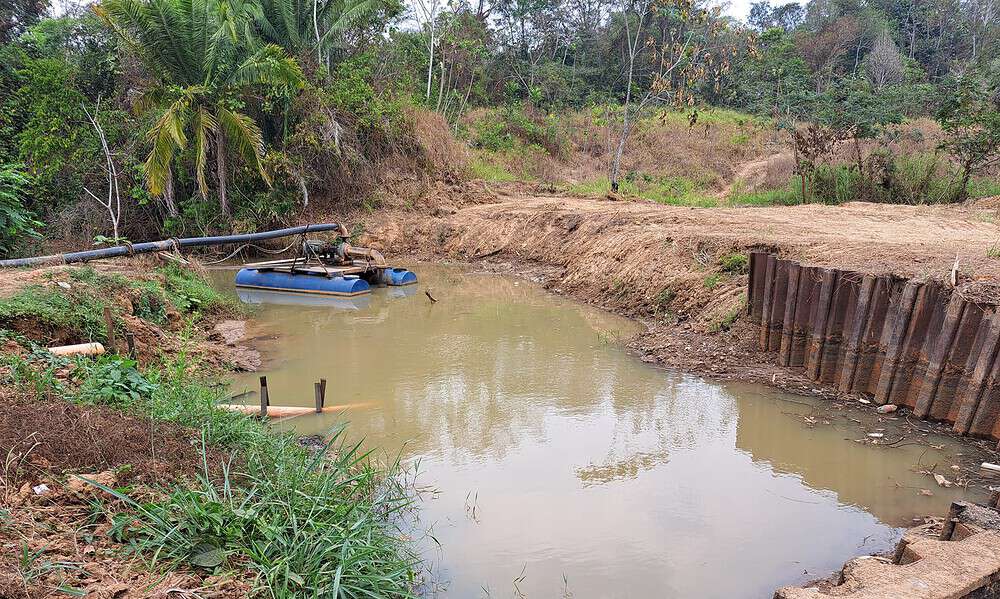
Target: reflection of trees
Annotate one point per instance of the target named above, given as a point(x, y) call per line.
point(683, 414)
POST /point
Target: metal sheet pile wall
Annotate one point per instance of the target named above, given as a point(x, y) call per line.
point(908, 343)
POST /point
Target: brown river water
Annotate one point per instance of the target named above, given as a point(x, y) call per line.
point(554, 464)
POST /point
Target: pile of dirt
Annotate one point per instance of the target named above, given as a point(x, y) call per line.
point(151, 339)
point(664, 264)
point(45, 438)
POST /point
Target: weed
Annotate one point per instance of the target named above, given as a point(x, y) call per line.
point(712, 280)
point(192, 294)
point(79, 313)
point(664, 297)
point(727, 321)
point(994, 250)
point(490, 171)
point(735, 263)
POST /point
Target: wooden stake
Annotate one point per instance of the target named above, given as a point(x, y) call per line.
point(130, 342)
point(318, 391)
point(109, 323)
point(263, 397)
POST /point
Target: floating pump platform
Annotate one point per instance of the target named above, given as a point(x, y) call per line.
point(332, 269)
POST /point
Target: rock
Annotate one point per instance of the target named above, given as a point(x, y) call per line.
point(77, 484)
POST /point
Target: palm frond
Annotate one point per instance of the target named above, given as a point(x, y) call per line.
point(244, 135)
point(167, 137)
point(270, 65)
point(204, 124)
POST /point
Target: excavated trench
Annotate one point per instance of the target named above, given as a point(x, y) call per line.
point(553, 463)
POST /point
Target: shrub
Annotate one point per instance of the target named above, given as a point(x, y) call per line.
point(17, 223)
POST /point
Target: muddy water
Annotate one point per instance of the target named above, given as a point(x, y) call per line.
point(561, 466)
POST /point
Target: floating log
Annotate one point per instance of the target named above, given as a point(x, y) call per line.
point(79, 349)
point(286, 411)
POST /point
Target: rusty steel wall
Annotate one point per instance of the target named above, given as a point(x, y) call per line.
point(909, 343)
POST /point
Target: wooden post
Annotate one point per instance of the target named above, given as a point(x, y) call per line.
point(130, 342)
point(951, 521)
point(318, 391)
point(263, 397)
point(109, 323)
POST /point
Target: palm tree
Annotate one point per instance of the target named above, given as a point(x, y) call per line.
point(305, 26)
point(204, 57)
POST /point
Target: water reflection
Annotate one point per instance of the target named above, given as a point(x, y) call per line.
point(582, 461)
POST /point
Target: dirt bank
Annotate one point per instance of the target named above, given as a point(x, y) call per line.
point(672, 266)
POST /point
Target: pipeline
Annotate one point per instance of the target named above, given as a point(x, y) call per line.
point(130, 249)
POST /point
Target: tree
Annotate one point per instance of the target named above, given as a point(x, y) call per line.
point(427, 14)
point(970, 117)
point(302, 27)
point(17, 15)
point(671, 46)
point(884, 64)
point(204, 59)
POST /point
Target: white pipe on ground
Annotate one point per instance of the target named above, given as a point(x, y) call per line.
point(80, 349)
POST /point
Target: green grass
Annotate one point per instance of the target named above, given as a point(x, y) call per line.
point(785, 196)
point(489, 170)
point(984, 187)
point(730, 317)
point(672, 191)
point(735, 263)
point(712, 281)
point(324, 525)
point(79, 310)
point(75, 311)
point(710, 116)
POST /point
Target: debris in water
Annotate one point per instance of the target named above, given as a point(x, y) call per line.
point(942, 481)
point(864, 401)
point(988, 468)
point(427, 292)
point(887, 408)
point(926, 492)
point(875, 435)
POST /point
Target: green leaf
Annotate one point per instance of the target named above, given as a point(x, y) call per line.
point(208, 556)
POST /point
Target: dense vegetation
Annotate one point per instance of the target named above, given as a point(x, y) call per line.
point(133, 118)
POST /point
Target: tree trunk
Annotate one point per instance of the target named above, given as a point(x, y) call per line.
point(430, 64)
point(220, 168)
point(616, 161)
point(168, 194)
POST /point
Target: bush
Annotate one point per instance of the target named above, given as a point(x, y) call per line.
point(17, 223)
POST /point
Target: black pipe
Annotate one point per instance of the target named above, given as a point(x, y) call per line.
point(166, 244)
